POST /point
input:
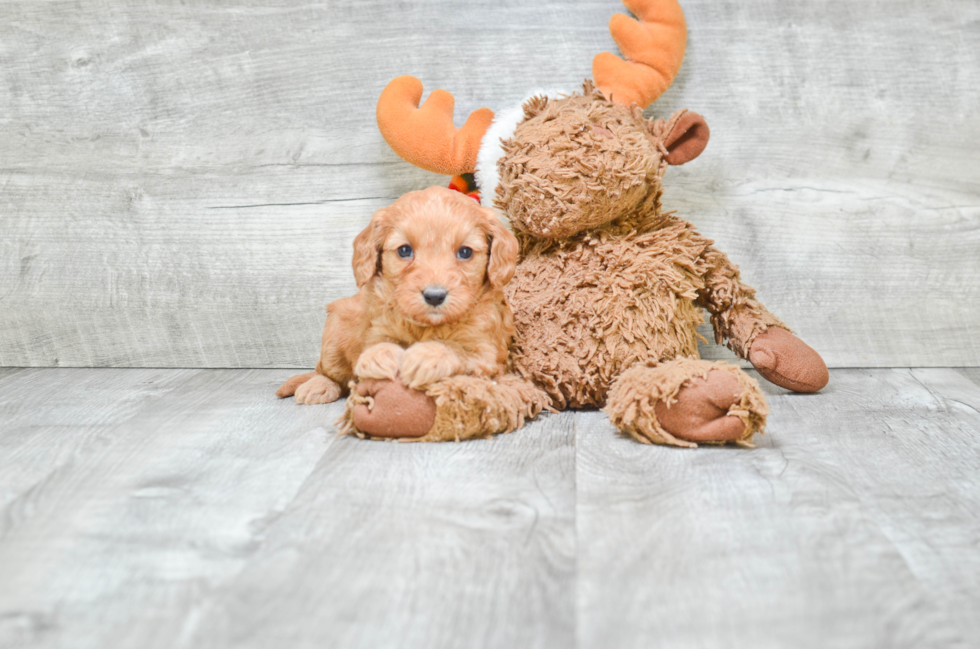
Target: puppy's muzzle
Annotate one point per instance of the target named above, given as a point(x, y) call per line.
point(434, 295)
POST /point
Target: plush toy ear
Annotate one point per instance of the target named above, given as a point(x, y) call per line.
point(503, 251)
point(687, 139)
point(367, 249)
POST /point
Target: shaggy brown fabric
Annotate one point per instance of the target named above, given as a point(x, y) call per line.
point(576, 163)
point(467, 407)
point(735, 313)
point(591, 306)
point(607, 281)
point(634, 398)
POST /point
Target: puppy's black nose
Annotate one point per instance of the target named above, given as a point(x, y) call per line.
point(434, 295)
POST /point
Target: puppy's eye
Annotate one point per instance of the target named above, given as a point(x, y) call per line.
point(405, 251)
point(465, 252)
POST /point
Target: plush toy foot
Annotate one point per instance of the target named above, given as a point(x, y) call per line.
point(686, 401)
point(390, 409)
point(453, 409)
point(783, 359)
point(700, 412)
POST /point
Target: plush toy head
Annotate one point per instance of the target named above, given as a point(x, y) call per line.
point(582, 161)
point(560, 164)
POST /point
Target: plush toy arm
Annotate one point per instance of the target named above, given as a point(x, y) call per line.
point(736, 315)
point(755, 334)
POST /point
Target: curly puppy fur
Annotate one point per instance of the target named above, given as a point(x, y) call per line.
point(389, 329)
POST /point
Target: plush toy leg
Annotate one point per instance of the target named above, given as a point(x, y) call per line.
point(686, 401)
point(454, 409)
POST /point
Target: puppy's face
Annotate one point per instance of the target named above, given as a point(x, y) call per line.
point(438, 251)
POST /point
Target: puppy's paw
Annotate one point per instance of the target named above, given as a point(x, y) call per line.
point(318, 389)
point(288, 388)
point(379, 361)
point(425, 363)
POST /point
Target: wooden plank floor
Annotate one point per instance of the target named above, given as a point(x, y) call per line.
point(190, 508)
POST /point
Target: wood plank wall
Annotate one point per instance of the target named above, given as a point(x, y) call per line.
point(180, 183)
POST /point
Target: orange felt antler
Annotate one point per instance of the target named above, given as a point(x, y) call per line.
point(653, 47)
point(426, 136)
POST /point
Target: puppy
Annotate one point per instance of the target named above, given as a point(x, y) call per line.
point(431, 270)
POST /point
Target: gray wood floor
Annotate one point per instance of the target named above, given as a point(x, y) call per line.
point(190, 508)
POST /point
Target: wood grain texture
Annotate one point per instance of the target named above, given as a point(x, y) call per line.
point(191, 508)
point(854, 523)
point(180, 183)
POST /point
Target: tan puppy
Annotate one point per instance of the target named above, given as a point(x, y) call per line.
point(431, 270)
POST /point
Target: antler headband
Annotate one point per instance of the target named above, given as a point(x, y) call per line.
point(426, 137)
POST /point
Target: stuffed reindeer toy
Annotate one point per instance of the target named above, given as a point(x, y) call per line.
point(609, 289)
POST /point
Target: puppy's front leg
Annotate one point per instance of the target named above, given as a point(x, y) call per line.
point(428, 362)
point(379, 361)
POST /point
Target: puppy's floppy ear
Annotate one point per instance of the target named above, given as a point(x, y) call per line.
point(503, 250)
point(367, 248)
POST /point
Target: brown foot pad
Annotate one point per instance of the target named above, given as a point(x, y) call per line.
point(783, 359)
point(700, 412)
point(389, 409)
point(686, 401)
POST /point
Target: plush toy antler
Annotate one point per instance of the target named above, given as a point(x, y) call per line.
point(426, 136)
point(654, 49)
